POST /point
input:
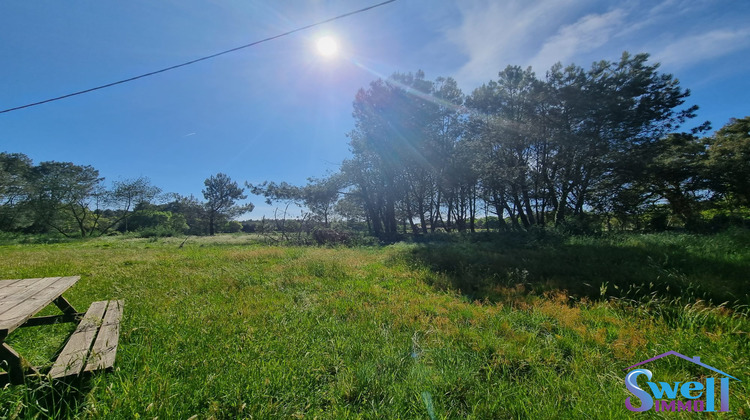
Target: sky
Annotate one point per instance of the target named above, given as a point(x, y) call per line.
point(280, 111)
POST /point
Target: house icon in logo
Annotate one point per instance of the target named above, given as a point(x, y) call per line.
point(666, 395)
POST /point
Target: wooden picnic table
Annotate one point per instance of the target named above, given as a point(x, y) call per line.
point(21, 299)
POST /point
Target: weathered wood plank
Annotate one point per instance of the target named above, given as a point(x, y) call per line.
point(17, 292)
point(104, 351)
point(21, 291)
point(11, 286)
point(13, 300)
point(73, 356)
point(50, 292)
point(20, 304)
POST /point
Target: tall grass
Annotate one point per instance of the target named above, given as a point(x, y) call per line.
point(450, 330)
point(643, 267)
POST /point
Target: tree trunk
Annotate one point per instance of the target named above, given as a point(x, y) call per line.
point(562, 204)
point(422, 221)
point(529, 209)
point(500, 210)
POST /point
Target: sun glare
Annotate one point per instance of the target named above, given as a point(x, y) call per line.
point(327, 46)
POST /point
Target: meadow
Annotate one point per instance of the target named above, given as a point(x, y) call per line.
point(484, 326)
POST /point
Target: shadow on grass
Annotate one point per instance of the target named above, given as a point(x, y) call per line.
point(638, 267)
point(42, 398)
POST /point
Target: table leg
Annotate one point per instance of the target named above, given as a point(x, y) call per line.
point(65, 306)
point(13, 363)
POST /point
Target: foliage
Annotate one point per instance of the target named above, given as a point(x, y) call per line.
point(126, 194)
point(158, 223)
point(531, 151)
point(319, 195)
point(221, 194)
point(15, 191)
point(583, 150)
point(65, 198)
point(326, 236)
point(404, 149)
point(66, 195)
point(729, 161)
point(232, 226)
point(192, 210)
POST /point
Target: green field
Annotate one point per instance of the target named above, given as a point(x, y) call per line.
point(497, 326)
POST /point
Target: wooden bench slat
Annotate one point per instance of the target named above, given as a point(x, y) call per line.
point(73, 356)
point(105, 347)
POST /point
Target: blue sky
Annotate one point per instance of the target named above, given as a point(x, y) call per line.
point(280, 111)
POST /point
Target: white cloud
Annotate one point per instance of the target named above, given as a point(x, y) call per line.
point(697, 48)
point(588, 33)
point(678, 33)
point(494, 34)
point(666, 6)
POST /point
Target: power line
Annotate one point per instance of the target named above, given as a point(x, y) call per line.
point(119, 82)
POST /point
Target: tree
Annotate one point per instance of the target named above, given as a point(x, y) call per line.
point(272, 191)
point(191, 209)
point(320, 196)
point(155, 222)
point(729, 161)
point(15, 191)
point(64, 195)
point(564, 145)
point(232, 226)
point(128, 193)
point(221, 194)
point(406, 130)
point(505, 143)
point(673, 171)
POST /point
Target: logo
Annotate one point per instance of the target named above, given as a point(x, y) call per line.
point(677, 396)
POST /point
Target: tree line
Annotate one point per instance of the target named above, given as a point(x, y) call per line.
point(601, 146)
point(72, 200)
point(582, 149)
point(593, 148)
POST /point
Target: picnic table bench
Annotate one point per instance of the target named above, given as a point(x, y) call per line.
point(92, 346)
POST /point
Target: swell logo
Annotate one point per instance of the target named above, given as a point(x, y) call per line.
point(663, 396)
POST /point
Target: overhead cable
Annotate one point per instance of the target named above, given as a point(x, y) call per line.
point(119, 82)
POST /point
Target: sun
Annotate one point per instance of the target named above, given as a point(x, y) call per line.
point(327, 46)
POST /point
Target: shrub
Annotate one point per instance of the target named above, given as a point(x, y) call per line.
point(326, 236)
point(150, 223)
point(232, 226)
point(586, 224)
point(157, 232)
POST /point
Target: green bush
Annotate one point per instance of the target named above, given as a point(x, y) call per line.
point(150, 223)
point(586, 224)
point(157, 232)
point(232, 226)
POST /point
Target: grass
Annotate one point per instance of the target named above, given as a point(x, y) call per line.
point(525, 326)
point(681, 266)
